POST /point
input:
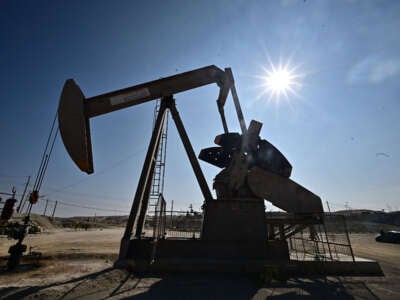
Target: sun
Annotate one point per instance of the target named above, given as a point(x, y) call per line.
point(280, 81)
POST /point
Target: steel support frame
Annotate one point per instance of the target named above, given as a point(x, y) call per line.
point(143, 182)
point(140, 203)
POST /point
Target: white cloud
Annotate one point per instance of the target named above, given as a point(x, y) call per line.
point(374, 69)
point(385, 69)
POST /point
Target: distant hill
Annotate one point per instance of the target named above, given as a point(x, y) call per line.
point(98, 221)
point(363, 215)
point(363, 220)
point(43, 222)
point(49, 224)
point(360, 220)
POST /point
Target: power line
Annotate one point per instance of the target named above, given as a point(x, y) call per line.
point(46, 155)
point(95, 208)
point(114, 165)
point(80, 194)
point(88, 206)
point(98, 208)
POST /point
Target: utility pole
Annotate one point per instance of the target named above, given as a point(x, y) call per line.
point(54, 210)
point(23, 194)
point(25, 202)
point(45, 207)
point(327, 204)
point(347, 208)
point(172, 208)
point(22, 205)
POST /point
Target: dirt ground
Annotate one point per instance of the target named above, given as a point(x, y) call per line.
point(78, 265)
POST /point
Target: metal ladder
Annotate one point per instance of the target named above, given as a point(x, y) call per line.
point(157, 186)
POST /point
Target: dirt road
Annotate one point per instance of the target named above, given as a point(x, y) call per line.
point(364, 245)
point(64, 243)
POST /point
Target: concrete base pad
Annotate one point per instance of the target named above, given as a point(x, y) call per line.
point(203, 255)
point(290, 269)
point(198, 255)
point(147, 249)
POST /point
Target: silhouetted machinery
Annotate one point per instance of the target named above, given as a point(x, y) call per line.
point(13, 230)
point(8, 210)
point(235, 235)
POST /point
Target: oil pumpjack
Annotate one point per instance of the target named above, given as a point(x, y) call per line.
point(236, 235)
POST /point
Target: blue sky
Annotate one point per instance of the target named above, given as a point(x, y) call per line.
point(346, 112)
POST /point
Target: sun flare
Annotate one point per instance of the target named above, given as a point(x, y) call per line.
point(278, 81)
point(281, 80)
